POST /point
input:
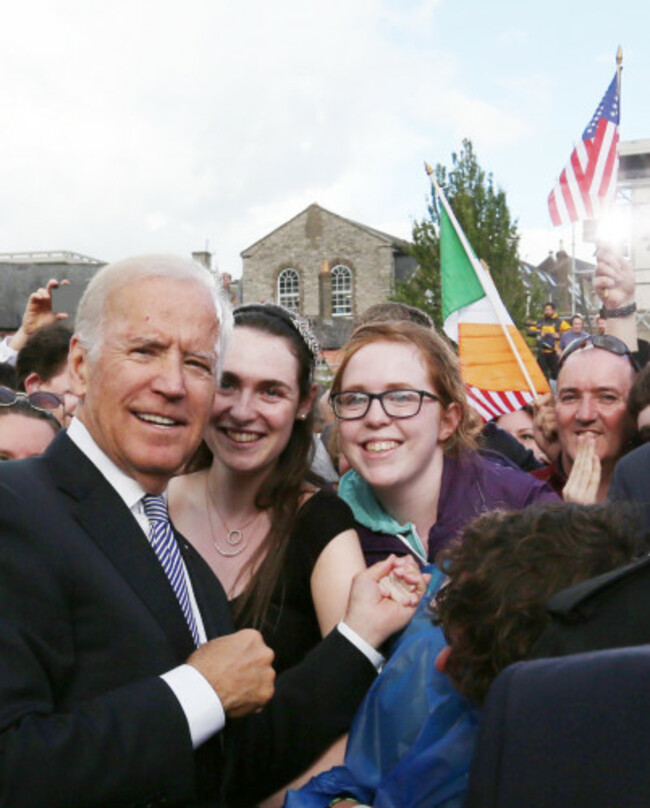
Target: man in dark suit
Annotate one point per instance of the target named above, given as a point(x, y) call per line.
point(105, 699)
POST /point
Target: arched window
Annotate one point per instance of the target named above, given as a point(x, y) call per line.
point(341, 290)
point(289, 289)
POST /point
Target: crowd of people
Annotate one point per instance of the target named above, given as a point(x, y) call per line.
point(194, 614)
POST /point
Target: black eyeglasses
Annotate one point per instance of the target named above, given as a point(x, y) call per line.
point(604, 341)
point(353, 404)
point(40, 400)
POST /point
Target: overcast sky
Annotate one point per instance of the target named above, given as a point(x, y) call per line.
point(143, 126)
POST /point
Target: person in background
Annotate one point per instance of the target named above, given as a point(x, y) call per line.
point(576, 331)
point(520, 425)
point(393, 311)
point(593, 425)
point(27, 426)
point(601, 325)
point(42, 364)
point(405, 428)
point(588, 420)
point(38, 312)
point(547, 330)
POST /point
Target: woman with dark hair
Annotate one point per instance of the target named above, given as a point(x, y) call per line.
point(284, 549)
point(404, 426)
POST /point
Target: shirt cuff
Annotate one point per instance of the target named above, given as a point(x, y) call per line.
point(375, 658)
point(7, 354)
point(200, 703)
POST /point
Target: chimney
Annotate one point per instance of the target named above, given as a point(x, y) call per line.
point(325, 290)
point(203, 257)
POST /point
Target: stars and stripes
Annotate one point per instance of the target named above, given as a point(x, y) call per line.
point(588, 183)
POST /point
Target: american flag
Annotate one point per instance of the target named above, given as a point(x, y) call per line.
point(588, 183)
point(491, 404)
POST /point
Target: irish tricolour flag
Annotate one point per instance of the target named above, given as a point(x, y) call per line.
point(498, 368)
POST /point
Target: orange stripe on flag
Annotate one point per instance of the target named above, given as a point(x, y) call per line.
point(487, 362)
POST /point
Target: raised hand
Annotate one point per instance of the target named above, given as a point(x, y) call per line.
point(614, 278)
point(38, 313)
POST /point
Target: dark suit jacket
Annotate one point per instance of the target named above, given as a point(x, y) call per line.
point(609, 611)
point(570, 732)
point(630, 481)
point(87, 624)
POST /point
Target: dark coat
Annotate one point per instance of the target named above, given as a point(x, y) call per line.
point(88, 622)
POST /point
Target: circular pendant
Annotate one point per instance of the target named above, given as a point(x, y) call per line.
point(234, 537)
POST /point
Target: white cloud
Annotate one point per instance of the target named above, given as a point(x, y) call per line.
point(140, 126)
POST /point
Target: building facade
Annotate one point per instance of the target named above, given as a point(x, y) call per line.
point(326, 268)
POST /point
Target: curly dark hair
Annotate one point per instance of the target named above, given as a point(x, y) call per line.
point(503, 569)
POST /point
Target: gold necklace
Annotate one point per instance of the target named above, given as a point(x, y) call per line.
point(234, 536)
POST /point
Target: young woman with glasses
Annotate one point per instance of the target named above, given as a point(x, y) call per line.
point(405, 428)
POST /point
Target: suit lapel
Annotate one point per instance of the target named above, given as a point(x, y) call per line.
point(108, 522)
point(210, 595)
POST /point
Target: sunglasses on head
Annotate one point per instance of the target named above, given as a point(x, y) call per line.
point(40, 400)
point(603, 341)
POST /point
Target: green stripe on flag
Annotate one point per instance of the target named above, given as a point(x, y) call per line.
point(460, 286)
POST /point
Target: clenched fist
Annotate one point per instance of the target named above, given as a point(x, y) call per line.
point(239, 668)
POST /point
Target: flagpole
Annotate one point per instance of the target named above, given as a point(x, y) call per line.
point(479, 273)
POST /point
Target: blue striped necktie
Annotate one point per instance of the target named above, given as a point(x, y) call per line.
point(163, 541)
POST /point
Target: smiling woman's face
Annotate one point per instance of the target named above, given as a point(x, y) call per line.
point(257, 403)
point(387, 452)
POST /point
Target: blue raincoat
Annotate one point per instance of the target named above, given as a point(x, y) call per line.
point(412, 739)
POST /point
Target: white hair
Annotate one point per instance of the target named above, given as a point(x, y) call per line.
point(91, 312)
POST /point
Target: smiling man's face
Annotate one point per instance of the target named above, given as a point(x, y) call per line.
point(592, 390)
point(146, 397)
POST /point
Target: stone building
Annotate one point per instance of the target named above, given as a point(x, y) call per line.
point(327, 268)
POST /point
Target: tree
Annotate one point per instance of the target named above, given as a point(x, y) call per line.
point(482, 212)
